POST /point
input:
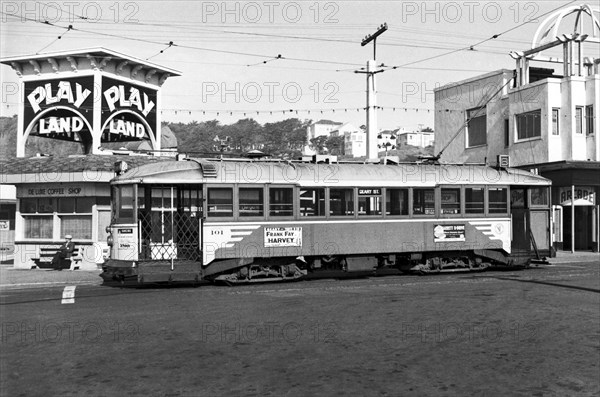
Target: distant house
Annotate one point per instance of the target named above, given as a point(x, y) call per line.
point(355, 140)
point(317, 129)
point(386, 140)
point(419, 138)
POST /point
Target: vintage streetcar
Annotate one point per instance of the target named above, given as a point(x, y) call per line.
point(243, 221)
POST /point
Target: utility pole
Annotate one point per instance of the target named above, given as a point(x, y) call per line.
point(371, 98)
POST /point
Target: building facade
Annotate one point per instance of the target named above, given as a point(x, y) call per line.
point(8, 206)
point(99, 99)
point(544, 120)
point(355, 140)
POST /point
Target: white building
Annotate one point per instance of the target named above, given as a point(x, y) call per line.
point(355, 140)
point(544, 120)
point(317, 129)
point(419, 138)
point(386, 140)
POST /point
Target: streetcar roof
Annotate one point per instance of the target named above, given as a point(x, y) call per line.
point(197, 171)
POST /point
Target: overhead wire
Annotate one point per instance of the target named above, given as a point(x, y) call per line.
point(270, 58)
point(69, 28)
point(472, 47)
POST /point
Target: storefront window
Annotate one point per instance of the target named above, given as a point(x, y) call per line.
point(28, 206)
point(66, 205)
point(79, 226)
point(46, 205)
point(38, 227)
point(79, 205)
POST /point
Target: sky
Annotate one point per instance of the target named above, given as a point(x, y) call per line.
point(272, 60)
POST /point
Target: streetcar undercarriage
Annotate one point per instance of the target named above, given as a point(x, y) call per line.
point(261, 270)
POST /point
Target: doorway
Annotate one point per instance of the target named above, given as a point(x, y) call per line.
point(583, 228)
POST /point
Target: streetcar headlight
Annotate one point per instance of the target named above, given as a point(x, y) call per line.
point(110, 240)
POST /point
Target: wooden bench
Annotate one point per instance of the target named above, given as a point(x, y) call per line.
point(47, 252)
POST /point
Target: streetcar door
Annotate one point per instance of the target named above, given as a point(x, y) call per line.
point(540, 228)
point(519, 218)
point(188, 221)
point(171, 222)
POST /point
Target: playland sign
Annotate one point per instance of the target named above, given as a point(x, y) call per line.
point(59, 108)
point(64, 109)
point(128, 111)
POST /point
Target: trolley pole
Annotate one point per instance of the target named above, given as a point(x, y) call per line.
point(371, 95)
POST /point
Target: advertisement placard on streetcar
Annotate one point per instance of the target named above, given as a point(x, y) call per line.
point(283, 237)
point(448, 233)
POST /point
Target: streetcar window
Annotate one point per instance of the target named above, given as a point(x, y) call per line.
point(450, 201)
point(124, 208)
point(163, 198)
point(396, 202)
point(369, 205)
point(517, 198)
point(312, 202)
point(190, 199)
point(251, 201)
point(281, 201)
point(141, 202)
point(474, 201)
point(341, 202)
point(423, 202)
point(220, 201)
point(539, 196)
point(498, 200)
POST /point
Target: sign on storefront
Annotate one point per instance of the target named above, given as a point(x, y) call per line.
point(63, 190)
point(584, 195)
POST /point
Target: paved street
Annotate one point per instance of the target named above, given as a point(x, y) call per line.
point(532, 332)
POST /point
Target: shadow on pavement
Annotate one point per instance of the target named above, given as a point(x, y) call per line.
point(549, 283)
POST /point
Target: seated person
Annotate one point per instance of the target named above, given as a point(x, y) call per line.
point(62, 256)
